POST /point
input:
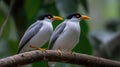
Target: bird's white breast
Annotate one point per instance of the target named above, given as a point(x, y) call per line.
point(43, 35)
point(69, 37)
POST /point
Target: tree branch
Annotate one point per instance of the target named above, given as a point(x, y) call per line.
point(53, 55)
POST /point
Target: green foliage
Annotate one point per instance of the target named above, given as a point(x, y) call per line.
point(8, 41)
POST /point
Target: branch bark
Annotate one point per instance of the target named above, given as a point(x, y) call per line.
point(53, 55)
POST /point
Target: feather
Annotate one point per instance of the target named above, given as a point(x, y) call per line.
point(56, 34)
point(31, 31)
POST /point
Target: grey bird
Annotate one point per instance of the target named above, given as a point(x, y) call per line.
point(38, 33)
point(66, 35)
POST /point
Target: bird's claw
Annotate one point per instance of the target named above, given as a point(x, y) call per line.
point(42, 49)
point(59, 51)
point(70, 52)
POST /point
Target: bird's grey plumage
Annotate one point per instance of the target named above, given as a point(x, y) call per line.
point(30, 32)
point(66, 35)
point(56, 34)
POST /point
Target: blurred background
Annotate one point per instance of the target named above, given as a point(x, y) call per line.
point(100, 35)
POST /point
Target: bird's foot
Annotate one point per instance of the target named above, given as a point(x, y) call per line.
point(70, 52)
point(42, 49)
point(59, 51)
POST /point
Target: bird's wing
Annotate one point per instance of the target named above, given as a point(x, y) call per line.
point(29, 34)
point(56, 34)
point(31, 26)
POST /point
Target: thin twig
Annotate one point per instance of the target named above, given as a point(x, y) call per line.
point(7, 18)
point(54, 55)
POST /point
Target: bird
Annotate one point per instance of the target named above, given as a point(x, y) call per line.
point(38, 33)
point(66, 35)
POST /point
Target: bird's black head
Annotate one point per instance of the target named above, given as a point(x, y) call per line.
point(42, 17)
point(77, 15)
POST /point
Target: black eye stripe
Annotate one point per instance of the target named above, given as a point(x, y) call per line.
point(74, 15)
point(42, 17)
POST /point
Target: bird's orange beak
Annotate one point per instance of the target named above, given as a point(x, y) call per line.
point(84, 17)
point(56, 18)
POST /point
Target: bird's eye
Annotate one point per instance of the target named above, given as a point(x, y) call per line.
point(49, 17)
point(77, 16)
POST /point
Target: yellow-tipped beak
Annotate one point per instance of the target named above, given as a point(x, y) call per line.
point(83, 17)
point(56, 18)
